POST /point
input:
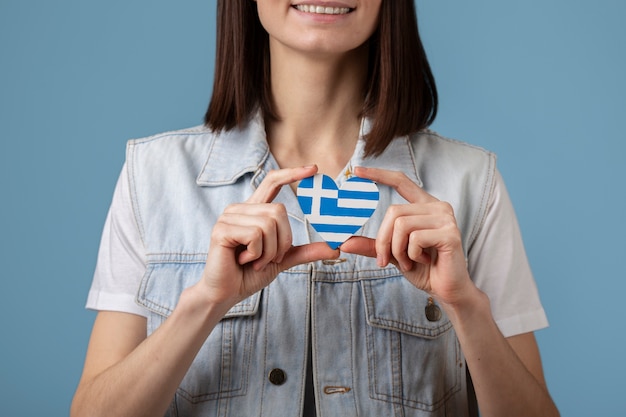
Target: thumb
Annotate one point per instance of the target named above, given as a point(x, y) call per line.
point(359, 245)
point(311, 252)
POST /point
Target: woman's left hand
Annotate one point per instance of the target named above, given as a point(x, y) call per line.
point(421, 238)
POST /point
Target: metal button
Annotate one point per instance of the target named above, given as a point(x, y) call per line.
point(332, 262)
point(277, 376)
point(433, 312)
point(336, 390)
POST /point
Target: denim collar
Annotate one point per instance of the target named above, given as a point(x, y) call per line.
point(237, 152)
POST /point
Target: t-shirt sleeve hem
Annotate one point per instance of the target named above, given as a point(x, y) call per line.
point(523, 323)
point(125, 303)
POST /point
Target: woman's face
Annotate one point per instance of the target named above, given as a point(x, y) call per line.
point(319, 27)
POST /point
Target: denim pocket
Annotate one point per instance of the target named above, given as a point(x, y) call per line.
point(221, 367)
point(412, 361)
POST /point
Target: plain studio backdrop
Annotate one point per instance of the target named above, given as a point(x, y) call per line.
point(539, 82)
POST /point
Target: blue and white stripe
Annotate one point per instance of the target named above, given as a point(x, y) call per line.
point(336, 214)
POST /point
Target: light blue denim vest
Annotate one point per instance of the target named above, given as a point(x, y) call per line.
point(374, 351)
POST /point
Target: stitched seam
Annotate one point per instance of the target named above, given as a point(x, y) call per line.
point(396, 325)
point(242, 309)
point(184, 132)
point(418, 404)
point(399, 325)
point(259, 171)
point(208, 157)
point(361, 275)
point(314, 361)
point(413, 162)
point(352, 348)
point(481, 216)
point(395, 341)
point(309, 338)
point(176, 258)
point(232, 391)
point(265, 320)
point(131, 158)
point(455, 141)
point(371, 362)
point(400, 399)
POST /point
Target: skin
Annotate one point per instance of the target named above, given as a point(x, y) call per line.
point(422, 239)
point(317, 74)
point(129, 374)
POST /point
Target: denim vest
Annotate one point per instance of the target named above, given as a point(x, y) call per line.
point(374, 351)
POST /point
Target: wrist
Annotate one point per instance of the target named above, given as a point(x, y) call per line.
point(197, 302)
point(473, 303)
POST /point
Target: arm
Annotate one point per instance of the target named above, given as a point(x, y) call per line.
point(423, 240)
point(507, 373)
point(129, 374)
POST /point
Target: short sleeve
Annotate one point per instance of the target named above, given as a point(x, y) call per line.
point(499, 266)
point(121, 260)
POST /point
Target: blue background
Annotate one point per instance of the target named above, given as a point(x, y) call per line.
point(539, 82)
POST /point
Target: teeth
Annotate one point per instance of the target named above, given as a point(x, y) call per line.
point(322, 10)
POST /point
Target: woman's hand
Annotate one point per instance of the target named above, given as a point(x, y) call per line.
point(421, 238)
point(251, 242)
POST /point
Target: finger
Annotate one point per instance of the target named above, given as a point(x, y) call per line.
point(275, 179)
point(308, 253)
point(416, 250)
point(267, 228)
point(360, 245)
point(385, 235)
point(397, 180)
point(232, 237)
point(445, 240)
point(258, 214)
point(418, 216)
point(438, 220)
point(399, 244)
point(364, 246)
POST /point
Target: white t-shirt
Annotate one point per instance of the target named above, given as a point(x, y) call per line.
point(497, 264)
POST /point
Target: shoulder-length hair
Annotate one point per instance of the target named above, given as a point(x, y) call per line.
point(400, 96)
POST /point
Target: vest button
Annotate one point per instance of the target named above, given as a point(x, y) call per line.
point(433, 312)
point(277, 376)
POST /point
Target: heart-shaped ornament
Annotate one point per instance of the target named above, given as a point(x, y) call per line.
point(337, 213)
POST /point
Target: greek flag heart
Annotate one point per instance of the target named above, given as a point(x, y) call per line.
point(337, 213)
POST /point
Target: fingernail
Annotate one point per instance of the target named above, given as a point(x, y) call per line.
point(379, 260)
point(309, 166)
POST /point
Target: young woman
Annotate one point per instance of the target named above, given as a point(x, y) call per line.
point(272, 321)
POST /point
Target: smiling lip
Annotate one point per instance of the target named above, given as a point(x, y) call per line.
point(318, 9)
point(324, 8)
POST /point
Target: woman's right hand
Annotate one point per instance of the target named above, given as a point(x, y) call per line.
point(251, 243)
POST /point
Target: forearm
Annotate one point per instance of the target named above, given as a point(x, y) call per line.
point(503, 384)
point(144, 382)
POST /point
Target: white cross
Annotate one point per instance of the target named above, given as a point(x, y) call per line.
point(317, 192)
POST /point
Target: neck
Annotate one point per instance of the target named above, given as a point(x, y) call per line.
point(319, 101)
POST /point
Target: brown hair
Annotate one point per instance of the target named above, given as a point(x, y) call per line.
point(401, 95)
